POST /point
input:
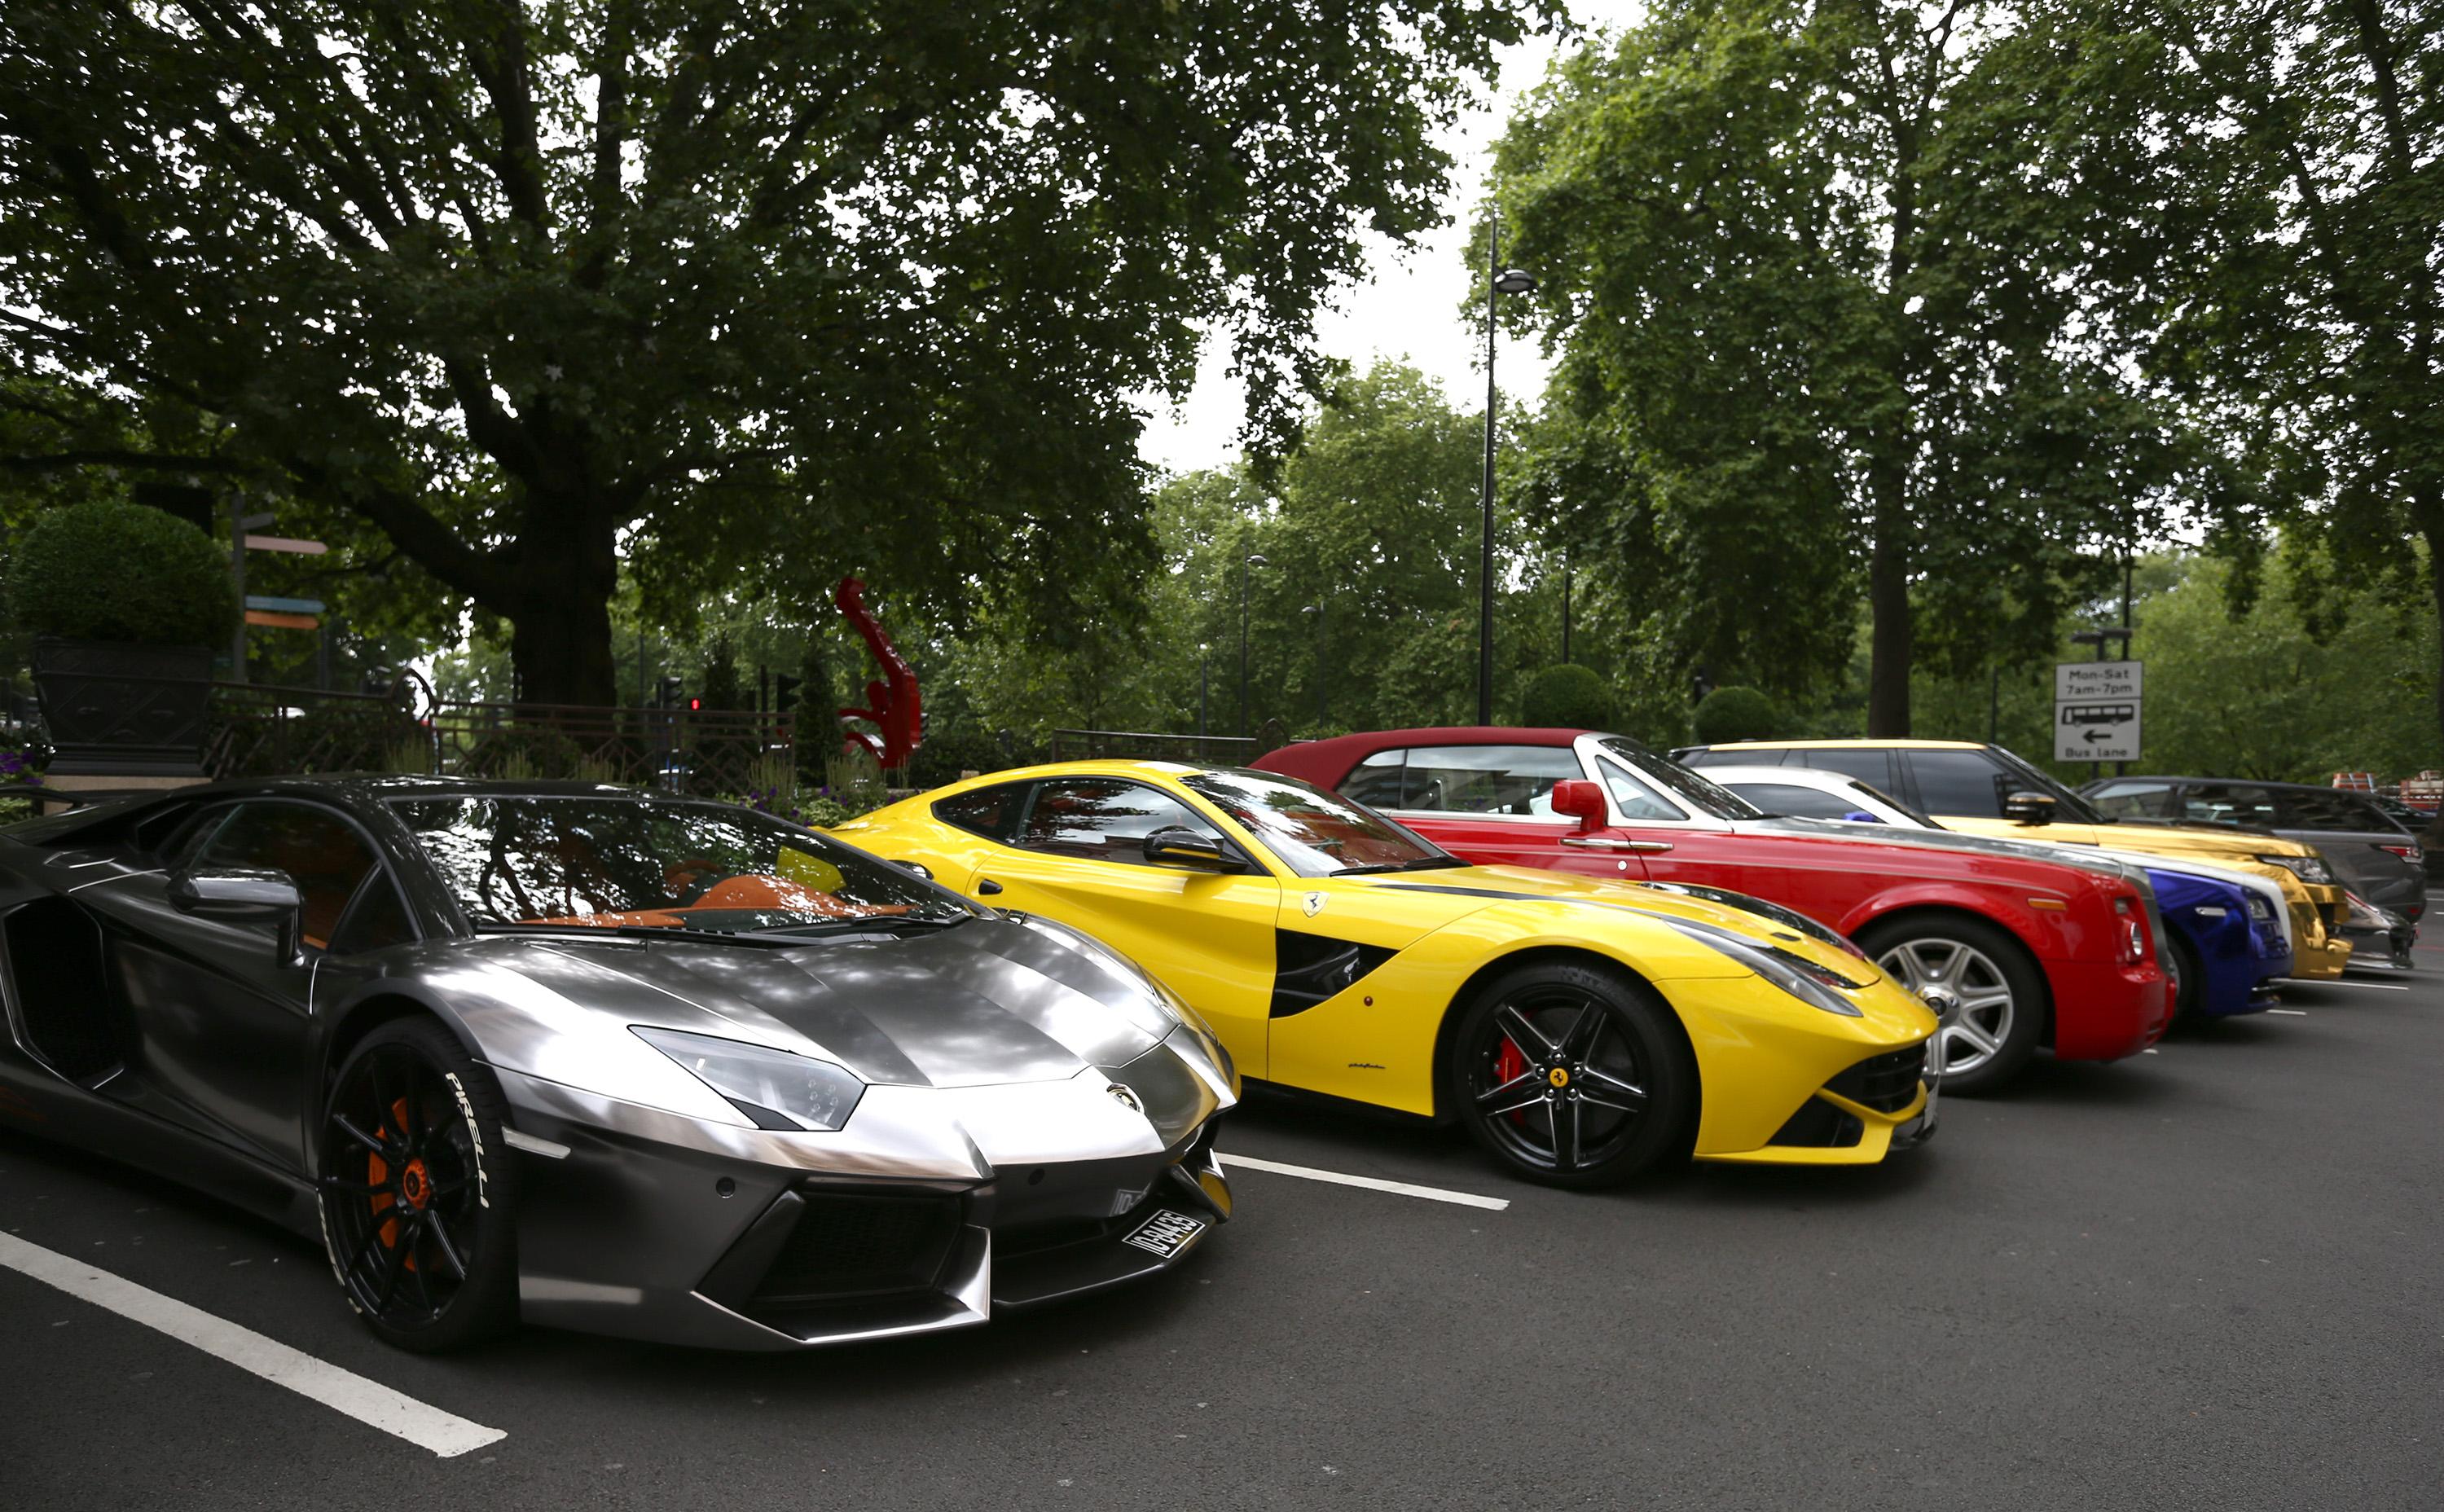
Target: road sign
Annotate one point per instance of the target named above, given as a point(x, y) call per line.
point(2096, 711)
point(285, 606)
point(312, 548)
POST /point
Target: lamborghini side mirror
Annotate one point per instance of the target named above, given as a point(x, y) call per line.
point(1582, 800)
point(236, 895)
point(1178, 845)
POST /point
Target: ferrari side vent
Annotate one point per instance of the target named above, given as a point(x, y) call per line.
point(1884, 1082)
point(850, 1246)
point(1819, 1125)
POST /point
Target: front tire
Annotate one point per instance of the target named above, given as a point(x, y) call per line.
point(1571, 1075)
point(2001, 996)
point(418, 1199)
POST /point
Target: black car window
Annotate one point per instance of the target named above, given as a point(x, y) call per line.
point(1103, 819)
point(1873, 767)
point(1485, 779)
point(1376, 780)
point(2131, 799)
point(1961, 783)
point(2313, 809)
point(992, 811)
point(321, 852)
point(2228, 802)
point(1799, 803)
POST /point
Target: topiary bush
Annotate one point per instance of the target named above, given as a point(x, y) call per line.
point(1737, 714)
point(1566, 696)
point(123, 572)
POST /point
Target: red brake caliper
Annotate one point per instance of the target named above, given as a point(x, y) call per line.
point(1509, 1065)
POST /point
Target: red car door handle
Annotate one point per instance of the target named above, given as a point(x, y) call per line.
point(1597, 842)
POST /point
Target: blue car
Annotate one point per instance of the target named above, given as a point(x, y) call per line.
point(2227, 935)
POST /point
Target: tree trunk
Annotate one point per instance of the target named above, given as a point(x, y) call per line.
point(560, 616)
point(1889, 637)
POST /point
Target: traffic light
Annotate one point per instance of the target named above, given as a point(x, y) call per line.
point(785, 690)
point(668, 697)
point(695, 706)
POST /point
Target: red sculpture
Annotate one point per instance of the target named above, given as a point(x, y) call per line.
point(891, 705)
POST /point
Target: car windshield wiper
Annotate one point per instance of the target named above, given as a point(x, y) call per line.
point(1420, 863)
point(825, 929)
point(623, 932)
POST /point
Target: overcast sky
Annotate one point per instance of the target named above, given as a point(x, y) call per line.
point(1409, 309)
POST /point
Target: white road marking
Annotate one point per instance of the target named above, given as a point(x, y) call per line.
point(2149, 1051)
point(369, 1402)
point(2370, 986)
point(2297, 1013)
point(1465, 1199)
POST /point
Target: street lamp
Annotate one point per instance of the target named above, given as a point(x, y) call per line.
point(1246, 561)
point(1317, 609)
point(1202, 647)
point(1499, 280)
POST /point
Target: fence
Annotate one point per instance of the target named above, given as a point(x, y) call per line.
point(1108, 745)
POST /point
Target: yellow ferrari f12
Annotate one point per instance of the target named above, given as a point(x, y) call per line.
point(1581, 1030)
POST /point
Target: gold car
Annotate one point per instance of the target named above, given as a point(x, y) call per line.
point(1985, 789)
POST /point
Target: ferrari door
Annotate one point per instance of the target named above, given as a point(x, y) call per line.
point(1077, 854)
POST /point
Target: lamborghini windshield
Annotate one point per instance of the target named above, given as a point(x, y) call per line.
point(1316, 833)
point(647, 863)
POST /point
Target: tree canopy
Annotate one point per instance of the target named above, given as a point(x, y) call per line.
point(789, 289)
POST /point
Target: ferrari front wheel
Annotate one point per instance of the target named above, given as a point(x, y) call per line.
point(415, 1197)
point(1572, 1075)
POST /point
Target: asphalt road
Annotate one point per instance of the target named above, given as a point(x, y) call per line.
point(2206, 1277)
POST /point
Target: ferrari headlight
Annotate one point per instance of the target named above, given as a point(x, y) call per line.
point(776, 1088)
point(1803, 979)
point(2310, 869)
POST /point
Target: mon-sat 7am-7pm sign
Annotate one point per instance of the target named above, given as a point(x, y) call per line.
point(2096, 711)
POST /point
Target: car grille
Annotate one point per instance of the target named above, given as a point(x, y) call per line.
point(1884, 1082)
point(1819, 1125)
point(857, 1244)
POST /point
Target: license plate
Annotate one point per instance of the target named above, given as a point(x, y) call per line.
point(1166, 1233)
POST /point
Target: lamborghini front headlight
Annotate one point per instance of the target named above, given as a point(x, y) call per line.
point(776, 1088)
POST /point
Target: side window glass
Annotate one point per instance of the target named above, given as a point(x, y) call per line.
point(992, 811)
point(2228, 803)
point(1873, 767)
point(2328, 811)
point(376, 919)
point(1376, 780)
point(318, 850)
point(1635, 800)
point(1799, 803)
point(2130, 799)
point(1487, 779)
point(1960, 782)
point(1100, 818)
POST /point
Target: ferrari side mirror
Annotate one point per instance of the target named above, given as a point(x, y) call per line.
point(1582, 800)
point(1182, 847)
point(2028, 808)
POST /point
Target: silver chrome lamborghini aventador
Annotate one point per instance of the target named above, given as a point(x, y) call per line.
point(596, 1059)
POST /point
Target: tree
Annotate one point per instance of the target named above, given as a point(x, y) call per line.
point(1810, 321)
point(2277, 222)
point(866, 288)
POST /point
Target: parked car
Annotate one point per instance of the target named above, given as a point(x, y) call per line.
point(2229, 932)
point(2037, 952)
point(1987, 790)
point(581, 1056)
point(1581, 1030)
point(2375, 857)
point(2381, 940)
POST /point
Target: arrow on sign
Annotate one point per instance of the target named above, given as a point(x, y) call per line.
point(2092, 736)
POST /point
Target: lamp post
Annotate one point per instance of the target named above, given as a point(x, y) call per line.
point(1498, 281)
point(1317, 609)
point(1246, 559)
point(1201, 659)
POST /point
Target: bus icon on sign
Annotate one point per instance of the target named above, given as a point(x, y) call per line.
point(2099, 713)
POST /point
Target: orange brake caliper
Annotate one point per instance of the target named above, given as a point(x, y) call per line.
point(416, 1183)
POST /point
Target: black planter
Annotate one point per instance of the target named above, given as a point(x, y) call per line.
point(121, 710)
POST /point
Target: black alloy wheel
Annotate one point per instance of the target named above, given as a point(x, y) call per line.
point(416, 1195)
point(1572, 1075)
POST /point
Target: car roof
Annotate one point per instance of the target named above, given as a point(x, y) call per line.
point(2251, 782)
point(1844, 745)
point(1329, 760)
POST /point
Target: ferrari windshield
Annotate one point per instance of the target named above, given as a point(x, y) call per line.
point(1313, 832)
point(540, 862)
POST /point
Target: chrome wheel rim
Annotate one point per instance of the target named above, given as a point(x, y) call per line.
point(1982, 1023)
point(1556, 1081)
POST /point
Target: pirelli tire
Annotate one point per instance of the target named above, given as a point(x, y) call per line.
point(417, 1195)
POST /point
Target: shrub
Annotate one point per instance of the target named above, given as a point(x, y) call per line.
point(1567, 697)
point(126, 572)
point(1737, 714)
point(523, 754)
